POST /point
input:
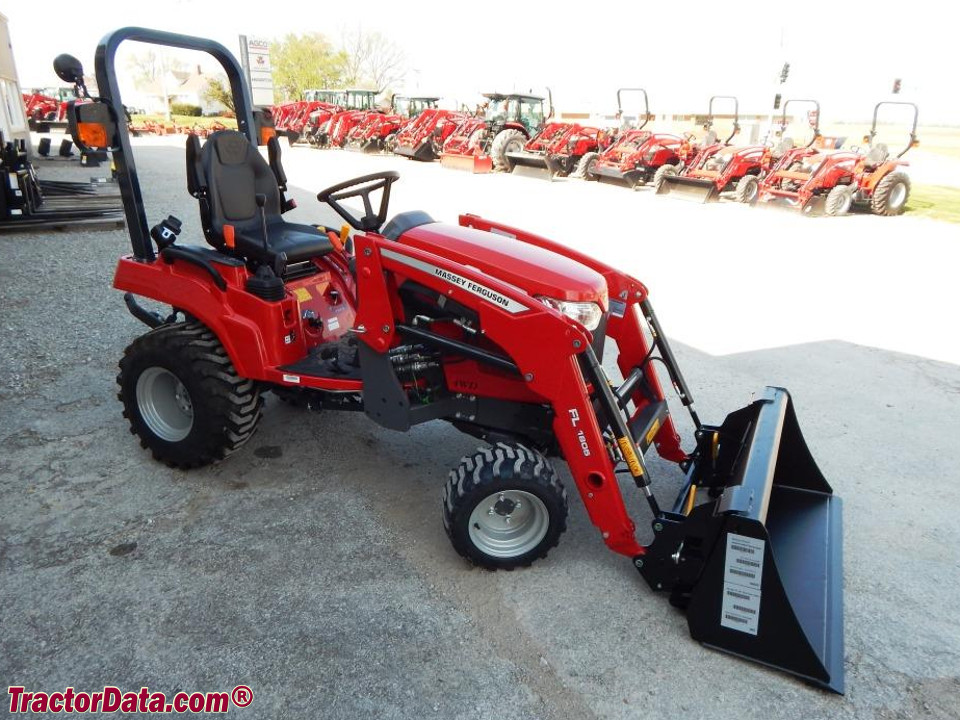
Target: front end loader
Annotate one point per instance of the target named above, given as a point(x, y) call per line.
point(493, 329)
point(423, 137)
point(555, 151)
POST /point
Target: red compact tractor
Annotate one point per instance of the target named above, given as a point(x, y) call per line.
point(423, 137)
point(356, 105)
point(292, 119)
point(498, 332)
point(480, 143)
point(637, 155)
point(719, 167)
point(377, 131)
point(555, 151)
point(835, 181)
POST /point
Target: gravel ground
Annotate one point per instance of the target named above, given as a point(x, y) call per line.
point(312, 565)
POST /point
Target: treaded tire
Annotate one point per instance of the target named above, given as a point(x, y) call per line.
point(225, 407)
point(506, 141)
point(839, 200)
point(585, 167)
point(886, 194)
point(748, 189)
point(662, 172)
point(501, 469)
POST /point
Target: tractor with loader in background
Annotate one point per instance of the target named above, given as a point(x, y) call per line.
point(377, 130)
point(480, 143)
point(833, 182)
point(423, 137)
point(499, 332)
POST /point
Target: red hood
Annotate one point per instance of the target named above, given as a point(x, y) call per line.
point(538, 271)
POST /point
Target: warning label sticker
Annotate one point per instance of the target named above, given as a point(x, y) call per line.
point(742, 578)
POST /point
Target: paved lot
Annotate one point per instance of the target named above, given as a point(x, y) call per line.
point(312, 566)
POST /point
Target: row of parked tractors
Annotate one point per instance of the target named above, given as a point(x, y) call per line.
point(516, 133)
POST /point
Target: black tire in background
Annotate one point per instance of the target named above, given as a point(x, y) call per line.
point(508, 140)
point(504, 507)
point(183, 397)
point(891, 194)
point(662, 172)
point(748, 187)
point(585, 166)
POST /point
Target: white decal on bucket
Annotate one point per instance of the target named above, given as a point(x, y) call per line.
point(742, 577)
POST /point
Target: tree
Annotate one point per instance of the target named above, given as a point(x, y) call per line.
point(373, 59)
point(218, 91)
point(301, 62)
point(150, 67)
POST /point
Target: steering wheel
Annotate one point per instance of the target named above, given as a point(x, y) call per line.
point(362, 187)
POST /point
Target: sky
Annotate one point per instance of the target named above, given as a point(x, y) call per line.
point(846, 55)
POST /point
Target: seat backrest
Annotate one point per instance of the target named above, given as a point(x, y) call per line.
point(234, 174)
point(877, 154)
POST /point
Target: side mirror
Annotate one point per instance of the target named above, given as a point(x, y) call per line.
point(93, 125)
point(68, 69)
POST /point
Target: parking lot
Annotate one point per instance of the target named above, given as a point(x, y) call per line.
point(312, 566)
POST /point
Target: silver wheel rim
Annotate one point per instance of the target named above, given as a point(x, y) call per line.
point(898, 195)
point(164, 404)
point(509, 523)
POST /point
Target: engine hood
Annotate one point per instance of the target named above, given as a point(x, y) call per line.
point(533, 269)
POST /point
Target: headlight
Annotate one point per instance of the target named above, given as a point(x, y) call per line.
point(587, 314)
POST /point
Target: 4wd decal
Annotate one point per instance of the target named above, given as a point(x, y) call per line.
point(508, 304)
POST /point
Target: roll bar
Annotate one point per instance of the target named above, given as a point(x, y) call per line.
point(736, 114)
point(913, 128)
point(126, 170)
point(646, 104)
point(816, 128)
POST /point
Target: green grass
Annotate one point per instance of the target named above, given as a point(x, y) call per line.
point(935, 201)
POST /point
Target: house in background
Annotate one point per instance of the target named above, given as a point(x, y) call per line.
point(175, 86)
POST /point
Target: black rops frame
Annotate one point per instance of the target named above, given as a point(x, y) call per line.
point(913, 128)
point(123, 156)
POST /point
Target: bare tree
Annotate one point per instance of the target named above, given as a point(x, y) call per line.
point(373, 59)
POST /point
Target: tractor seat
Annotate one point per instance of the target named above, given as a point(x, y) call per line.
point(226, 175)
point(877, 155)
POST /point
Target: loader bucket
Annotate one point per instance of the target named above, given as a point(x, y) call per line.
point(470, 163)
point(764, 562)
point(535, 165)
point(689, 188)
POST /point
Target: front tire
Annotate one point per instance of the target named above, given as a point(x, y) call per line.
point(839, 200)
point(585, 167)
point(508, 140)
point(891, 194)
point(748, 188)
point(662, 172)
point(183, 397)
point(504, 507)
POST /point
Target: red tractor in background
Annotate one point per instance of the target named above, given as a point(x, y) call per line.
point(637, 155)
point(42, 107)
point(480, 143)
point(334, 132)
point(719, 167)
point(377, 131)
point(292, 118)
point(424, 136)
point(562, 149)
point(834, 181)
point(496, 330)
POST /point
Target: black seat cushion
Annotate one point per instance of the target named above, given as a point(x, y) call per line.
point(235, 174)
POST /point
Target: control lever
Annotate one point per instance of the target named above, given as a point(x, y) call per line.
point(165, 232)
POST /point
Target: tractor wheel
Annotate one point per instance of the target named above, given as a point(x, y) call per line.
point(504, 507)
point(662, 172)
point(390, 143)
point(183, 397)
point(839, 200)
point(891, 194)
point(585, 166)
point(748, 187)
point(508, 140)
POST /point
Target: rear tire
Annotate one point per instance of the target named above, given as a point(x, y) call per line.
point(504, 507)
point(508, 140)
point(585, 167)
point(891, 194)
point(183, 397)
point(748, 187)
point(662, 172)
point(839, 200)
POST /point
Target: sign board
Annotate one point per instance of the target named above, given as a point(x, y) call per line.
point(255, 58)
